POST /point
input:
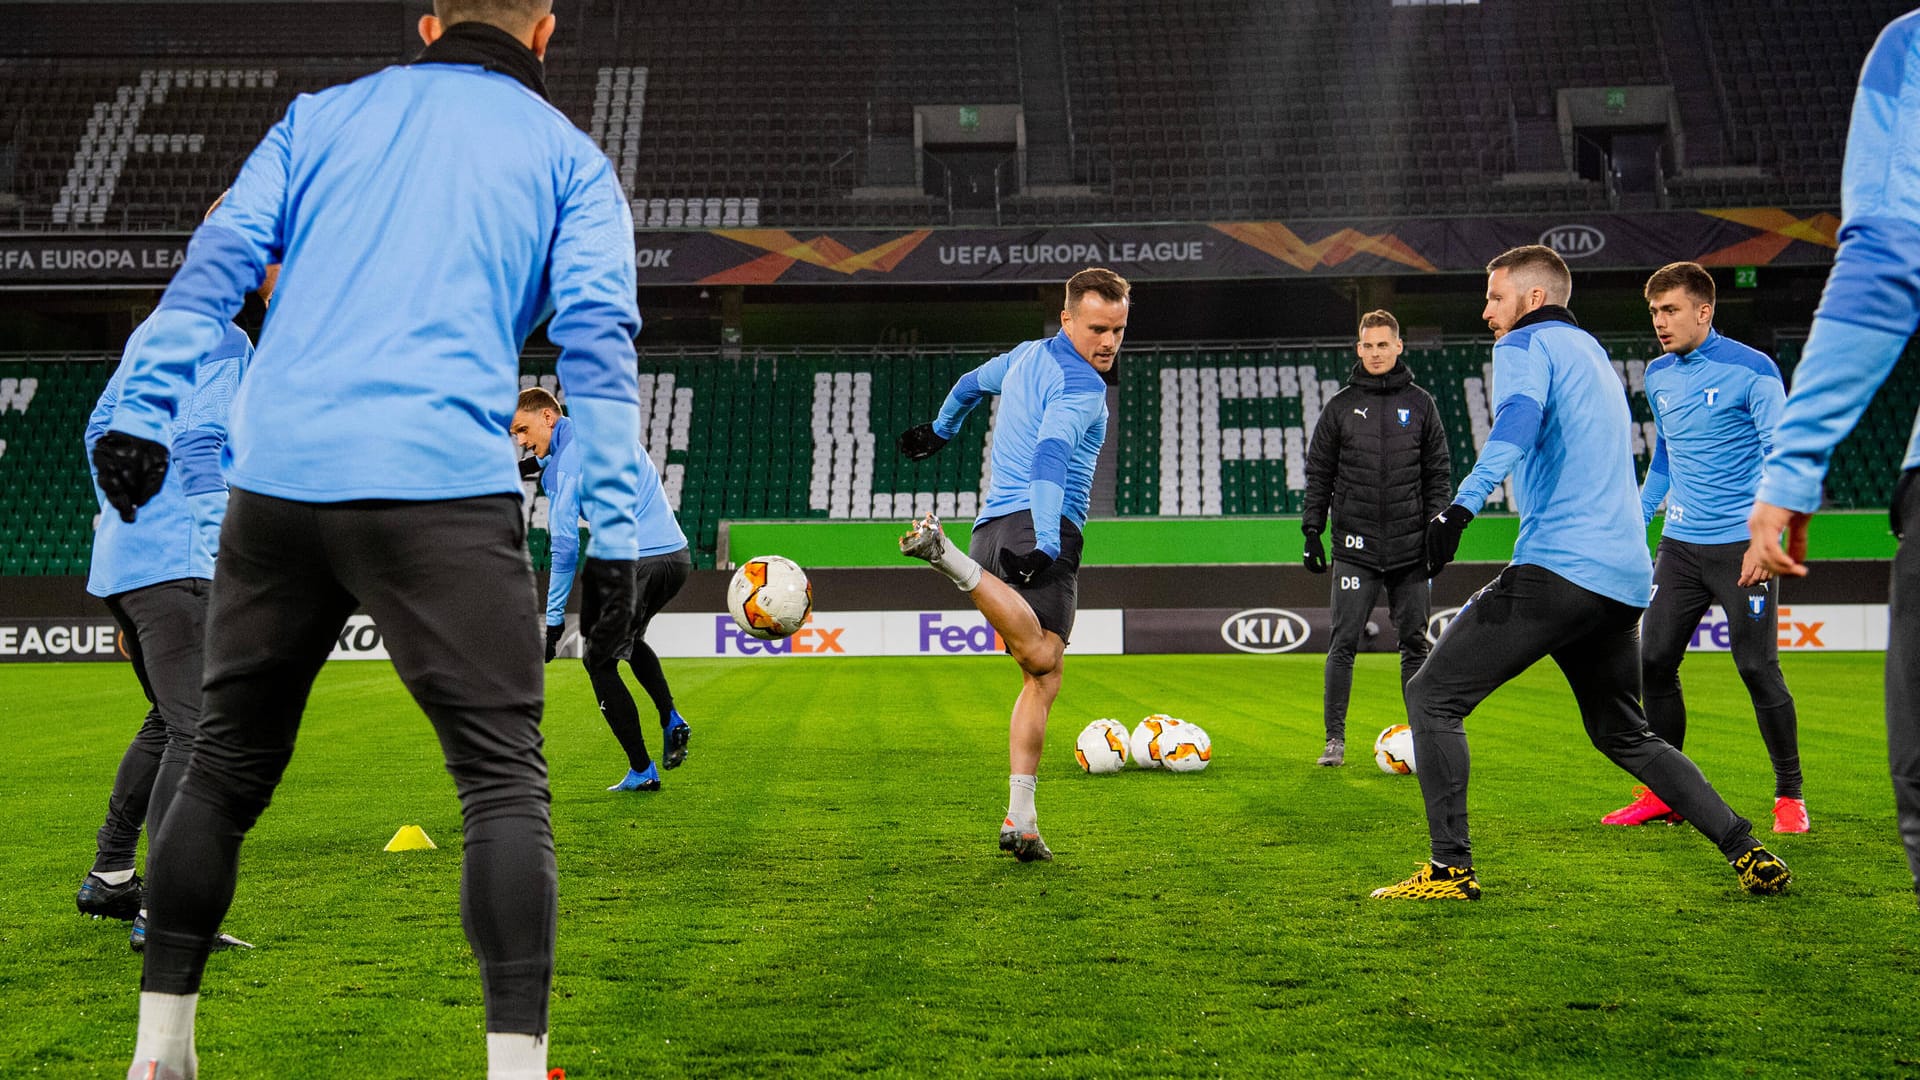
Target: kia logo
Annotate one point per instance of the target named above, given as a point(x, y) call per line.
point(1574, 241)
point(1439, 623)
point(1264, 630)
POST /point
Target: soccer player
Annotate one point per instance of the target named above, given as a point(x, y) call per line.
point(1022, 567)
point(664, 566)
point(1379, 458)
point(1575, 591)
point(153, 573)
point(429, 216)
point(1715, 402)
point(1870, 308)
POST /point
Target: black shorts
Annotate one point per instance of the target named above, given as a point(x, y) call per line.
point(656, 580)
point(1054, 595)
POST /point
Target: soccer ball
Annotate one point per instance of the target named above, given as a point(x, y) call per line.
point(1101, 747)
point(1145, 743)
point(1185, 748)
point(1393, 750)
point(770, 597)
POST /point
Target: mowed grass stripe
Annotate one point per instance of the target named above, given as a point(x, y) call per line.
point(817, 892)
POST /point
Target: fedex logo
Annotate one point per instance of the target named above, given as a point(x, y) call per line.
point(936, 634)
point(730, 640)
point(1718, 633)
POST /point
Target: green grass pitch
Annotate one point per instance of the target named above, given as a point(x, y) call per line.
point(817, 892)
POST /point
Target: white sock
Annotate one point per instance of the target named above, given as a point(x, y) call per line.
point(512, 1056)
point(1020, 809)
point(958, 566)
point(115, 877)
point(166, 1033)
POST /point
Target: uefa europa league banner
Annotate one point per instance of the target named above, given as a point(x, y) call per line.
point(1199, 251)
point(1250, 249)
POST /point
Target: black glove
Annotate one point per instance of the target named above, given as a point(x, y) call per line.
point(1316, 553)
point(1025, 567)
point(609, 594)
point(529, 468)
point(1443, 536)
point(553, 640)
point(130, 469)
point(920, 443)
point(1900, 488)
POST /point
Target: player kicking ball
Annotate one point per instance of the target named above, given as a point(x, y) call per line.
point(1579, 581)
point(1023, 565)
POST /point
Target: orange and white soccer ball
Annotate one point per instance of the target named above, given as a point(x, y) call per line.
point(770, 597)
point(1145, 741)
point(1101, 747)
point(1393, 750)
point(1185, 747)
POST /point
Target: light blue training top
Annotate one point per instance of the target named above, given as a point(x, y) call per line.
point(1046, 438)
point(1872, 300)
point(428, 218)
point(1562, 428)
point(1714, 410)
point(659, 530)
point(177, 534)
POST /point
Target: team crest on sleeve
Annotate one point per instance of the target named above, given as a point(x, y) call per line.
point(1406, 416)
point(1757, 605)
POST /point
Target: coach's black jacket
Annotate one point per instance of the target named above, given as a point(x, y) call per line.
point(1379, 458)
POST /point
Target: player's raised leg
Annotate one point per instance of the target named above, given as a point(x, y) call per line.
point(1037, 650)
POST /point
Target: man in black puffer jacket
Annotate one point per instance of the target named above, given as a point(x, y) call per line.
point(1379, 459)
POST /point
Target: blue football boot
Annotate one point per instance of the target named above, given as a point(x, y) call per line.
point(676, 733)
point(648, 780)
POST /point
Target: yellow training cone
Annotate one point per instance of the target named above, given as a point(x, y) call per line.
point(410, 838)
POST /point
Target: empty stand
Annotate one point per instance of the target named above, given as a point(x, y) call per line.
point(1202, 430)
point(798, 115)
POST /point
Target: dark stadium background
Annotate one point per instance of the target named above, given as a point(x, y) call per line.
point(826, 189)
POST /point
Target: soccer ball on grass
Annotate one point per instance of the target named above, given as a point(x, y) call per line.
point(1145, 742)
point(1185, 747)
point(1393, 750)
point(1101, 747)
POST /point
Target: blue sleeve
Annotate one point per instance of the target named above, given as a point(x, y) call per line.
point(97, 427)
point(1844, 364)
point(1872, 300)
point(563, 533)
point(1654, 491)
point(226, 260)
point(1765, 400)
point(1062, 427)
point(209, 511)
point(1521, 381)
point(595, 320)
point(196, 452)
point(973, 388)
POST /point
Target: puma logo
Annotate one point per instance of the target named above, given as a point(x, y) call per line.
point(1361, 413)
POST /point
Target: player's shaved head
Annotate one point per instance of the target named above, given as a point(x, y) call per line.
point(1537, 266)
point(513, 16)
